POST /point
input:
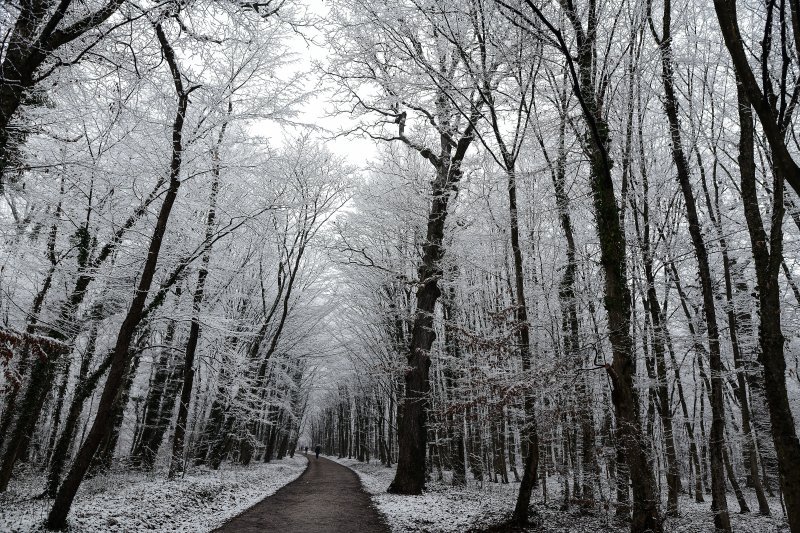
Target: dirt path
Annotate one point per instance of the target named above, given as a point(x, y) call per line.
point(326, 498)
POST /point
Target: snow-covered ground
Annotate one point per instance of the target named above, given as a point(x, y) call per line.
point(444, 509)
point(441, 509)
point(200, 501)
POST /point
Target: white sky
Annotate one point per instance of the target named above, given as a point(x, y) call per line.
point(318, 111)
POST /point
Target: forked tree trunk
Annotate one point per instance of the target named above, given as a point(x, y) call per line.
point(37, 33)
point(412, 416)
point(760, 99)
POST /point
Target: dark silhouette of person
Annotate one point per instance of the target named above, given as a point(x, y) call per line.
point(317, 450)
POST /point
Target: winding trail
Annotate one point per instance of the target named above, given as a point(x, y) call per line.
point(326, 498)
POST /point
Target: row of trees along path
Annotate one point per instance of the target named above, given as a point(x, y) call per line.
point(567, 257)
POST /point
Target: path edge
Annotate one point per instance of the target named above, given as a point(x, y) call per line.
point(384, 518)
point(237, 515)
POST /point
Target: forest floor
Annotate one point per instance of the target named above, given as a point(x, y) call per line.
point(323, 498)
point(136, 502)
point(445, 509)
point(327, 498)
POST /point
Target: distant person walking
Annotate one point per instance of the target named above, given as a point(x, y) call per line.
point(317, 450)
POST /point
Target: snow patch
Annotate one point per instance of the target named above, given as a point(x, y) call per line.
point(136, 502)
point(476, 507)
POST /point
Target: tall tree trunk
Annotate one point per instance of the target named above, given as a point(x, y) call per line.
point(750, 450)
point(176, 463)
point(412, 417)
point(719, 503)
point(455, 423)
point(529, 432)
point(658, 347)
point(120, 360)
point(412, 429)
point(617, 297)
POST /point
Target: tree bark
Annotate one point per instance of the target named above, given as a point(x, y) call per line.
point(412, 428)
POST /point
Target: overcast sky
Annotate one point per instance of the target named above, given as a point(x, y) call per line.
point(318, 111)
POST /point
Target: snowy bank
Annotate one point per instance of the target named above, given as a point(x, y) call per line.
point(131, 502)
point(446, 509)
point(441, 509)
